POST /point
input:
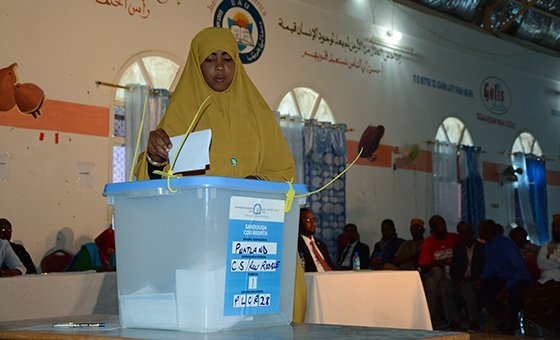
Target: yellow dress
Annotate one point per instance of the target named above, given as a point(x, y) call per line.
point(246, 139)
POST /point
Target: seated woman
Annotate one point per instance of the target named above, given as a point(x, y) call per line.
point(98, 255)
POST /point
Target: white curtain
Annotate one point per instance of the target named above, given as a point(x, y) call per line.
point(156, 103)
point(292, 129)
point(446, 190)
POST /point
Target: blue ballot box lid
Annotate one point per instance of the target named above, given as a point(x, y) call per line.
point(202, 181)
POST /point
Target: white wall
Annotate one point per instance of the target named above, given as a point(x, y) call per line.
point(64, 46)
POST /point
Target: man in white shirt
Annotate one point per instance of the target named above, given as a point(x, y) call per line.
point(313, 251)
point(542, 300)
point(9, 258)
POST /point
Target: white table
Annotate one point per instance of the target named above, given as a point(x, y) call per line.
point(58, 294)
point(389, 299)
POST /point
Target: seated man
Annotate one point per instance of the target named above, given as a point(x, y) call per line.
point(23, 255)
point(542, 299)
point(9, 258)
point(384, 250)
point(504, 278)
point(468, 262)
point(98, 255)
point(352, 247)
point(406, 257)
point(529, 251)
point(436, 257)
point(313, 251)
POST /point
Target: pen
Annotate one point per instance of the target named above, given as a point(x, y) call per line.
point(79, 324)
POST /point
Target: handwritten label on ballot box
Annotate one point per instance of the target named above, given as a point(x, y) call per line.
point(254, 251)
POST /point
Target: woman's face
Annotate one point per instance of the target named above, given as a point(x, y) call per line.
point(218, 70)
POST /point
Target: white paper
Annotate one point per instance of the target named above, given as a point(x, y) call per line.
point(195, 154)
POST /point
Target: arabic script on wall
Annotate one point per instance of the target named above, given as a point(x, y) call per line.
point(132, 7)
point(356, 46)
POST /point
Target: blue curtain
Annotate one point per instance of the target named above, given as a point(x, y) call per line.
point(472, 187)
point(156, 104)
point(324, 159)
point(536, 176)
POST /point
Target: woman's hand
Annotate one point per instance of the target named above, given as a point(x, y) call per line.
point(159, 145)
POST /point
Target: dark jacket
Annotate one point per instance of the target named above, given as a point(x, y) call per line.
point(388, 253)
point(363, 252)
point(460, 261)
point(309, 263)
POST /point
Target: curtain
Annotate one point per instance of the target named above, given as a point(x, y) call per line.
point(292, 129)
point(324, 159)
point(536, 175)
point(156, 104)
point(444, 183)
point(472, 187)
point(531, 203)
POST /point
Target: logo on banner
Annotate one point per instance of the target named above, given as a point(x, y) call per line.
point(243, 19)
point(495, 95)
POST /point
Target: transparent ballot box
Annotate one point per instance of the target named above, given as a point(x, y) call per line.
point(213, 253)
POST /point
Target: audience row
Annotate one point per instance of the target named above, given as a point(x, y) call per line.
point(459, 271)
point(15, 260)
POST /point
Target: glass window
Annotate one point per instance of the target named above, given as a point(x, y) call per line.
point(307, 103)
point(454, 131)
point(153, 69)
point(526, 143)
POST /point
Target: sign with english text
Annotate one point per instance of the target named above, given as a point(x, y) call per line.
point(495, 95)
point(253, 263)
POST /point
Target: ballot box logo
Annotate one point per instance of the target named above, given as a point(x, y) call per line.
point(257, 209)
point(495, 95)
point(245, 22)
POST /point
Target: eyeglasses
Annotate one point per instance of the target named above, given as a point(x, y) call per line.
point(310, 219)
point(5, 229)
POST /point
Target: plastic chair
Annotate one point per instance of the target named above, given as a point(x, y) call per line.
point(56, 261)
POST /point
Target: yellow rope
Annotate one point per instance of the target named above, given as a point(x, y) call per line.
point(291, 194)
point(138, 140)
point(169, 173)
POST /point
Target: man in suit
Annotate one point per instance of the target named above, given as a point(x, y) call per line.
point(468, 262)
point(313, 251)
point(352, 246)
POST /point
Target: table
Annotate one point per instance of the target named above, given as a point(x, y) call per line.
point(391, 299)
point(42, 329)
point(58, 294)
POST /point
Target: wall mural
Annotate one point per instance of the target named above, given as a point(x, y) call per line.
point(27, 97)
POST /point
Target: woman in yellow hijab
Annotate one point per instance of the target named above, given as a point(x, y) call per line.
point(246, 139)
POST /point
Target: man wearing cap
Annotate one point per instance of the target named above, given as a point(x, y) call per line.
point(542, 300)
point(406, 257)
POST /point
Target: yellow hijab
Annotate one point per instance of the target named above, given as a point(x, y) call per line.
point(246, 139)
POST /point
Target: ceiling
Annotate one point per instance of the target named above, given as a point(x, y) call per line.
point(534, 24)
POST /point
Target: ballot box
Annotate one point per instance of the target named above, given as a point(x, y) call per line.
point(205, 253)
